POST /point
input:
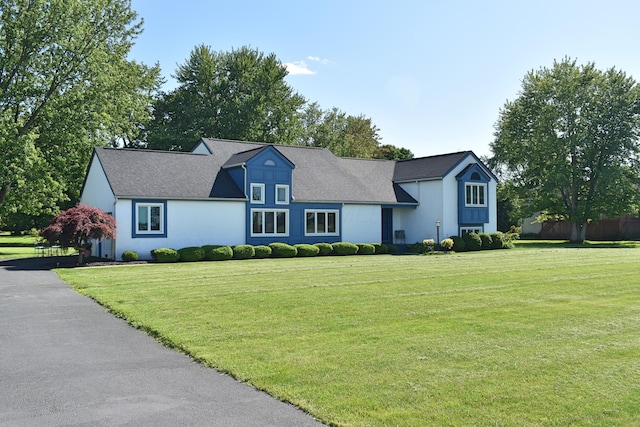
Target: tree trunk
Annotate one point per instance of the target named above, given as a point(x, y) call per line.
point(3, 192)
point(578, 232)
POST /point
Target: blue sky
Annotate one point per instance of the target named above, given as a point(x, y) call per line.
point(432, 75)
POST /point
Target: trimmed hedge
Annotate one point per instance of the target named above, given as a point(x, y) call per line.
point(472, 241)
point(447, 244)
point(497, 240)
point(393, 249)
point(458, 243)
point(345, 248)
point(165, 255)
point(325, 248)
point(486, 240)
point(282, 250)
point(217, 253)
point(191, 254)
point(365, 249)
point(381, 248)
point(305, 250)
point(243, 252)
point(262, 251)
point(129, 256)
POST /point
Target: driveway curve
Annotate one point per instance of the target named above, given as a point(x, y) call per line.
point(64, 360)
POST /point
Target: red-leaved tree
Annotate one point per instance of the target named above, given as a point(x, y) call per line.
point(77, 226)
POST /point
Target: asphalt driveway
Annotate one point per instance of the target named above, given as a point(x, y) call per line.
point(65, 361)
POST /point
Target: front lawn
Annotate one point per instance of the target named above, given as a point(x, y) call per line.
point(545, 336)
point(16, 246)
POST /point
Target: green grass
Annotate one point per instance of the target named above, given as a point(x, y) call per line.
point(534, 337)
point(16, 246)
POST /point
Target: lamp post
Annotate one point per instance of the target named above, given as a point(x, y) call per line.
point(438, 233)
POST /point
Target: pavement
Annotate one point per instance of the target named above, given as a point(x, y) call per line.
point(65, 361)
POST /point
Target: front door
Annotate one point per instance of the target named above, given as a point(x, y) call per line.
point(387, 226)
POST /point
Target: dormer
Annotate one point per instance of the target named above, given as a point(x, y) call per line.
point(264, 173)
point(473, 195)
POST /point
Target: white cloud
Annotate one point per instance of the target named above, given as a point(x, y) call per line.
point(297, 68)
point(318, 59)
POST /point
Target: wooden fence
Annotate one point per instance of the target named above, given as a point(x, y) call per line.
point(623, 228)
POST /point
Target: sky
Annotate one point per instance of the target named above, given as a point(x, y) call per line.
point(431, 75)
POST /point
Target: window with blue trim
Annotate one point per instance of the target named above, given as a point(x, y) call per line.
point(149, 219)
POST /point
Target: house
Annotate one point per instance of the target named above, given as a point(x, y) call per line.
point(231, 192)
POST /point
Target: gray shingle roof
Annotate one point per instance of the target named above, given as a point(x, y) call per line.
point(424, 168)
point(166, 174)
point(318, 176)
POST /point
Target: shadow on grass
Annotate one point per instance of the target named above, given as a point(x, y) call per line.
point(40, 263)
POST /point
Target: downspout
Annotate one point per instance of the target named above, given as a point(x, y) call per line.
point(113, 241)
point(244, 168)
point(247, 212)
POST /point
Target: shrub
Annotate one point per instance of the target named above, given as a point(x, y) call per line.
point(307, 250)
point(191, 253)
point(458, 243)
point(497, 240)
point(243, 252)
point(165, 255)
point(325, 248)
point(282, 250)
point(262, 251)
point(217, 252)
point(345, 248)
point(381, 248)
point(393, 249)
point(486, 240)
point(446, 244)
point(427, 245)
point(508, 238)
point(366, 249)
point(472, 241)
point(128, 256)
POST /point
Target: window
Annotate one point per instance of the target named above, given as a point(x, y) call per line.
point(149, 219)
point(321, 223)
point(257, 193)
point(282, 194)
point(475, 194)
point(467, 230)
point(269, 222)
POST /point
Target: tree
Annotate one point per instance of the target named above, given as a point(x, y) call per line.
point(345, 136)
point(65, 86)
point(391, 152)
point(76, 227)
point(569, 143)
point(238, 95)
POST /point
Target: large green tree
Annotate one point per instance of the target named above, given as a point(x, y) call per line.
point(239, 95)
point(568, 145)
point(65, 86)
point(344, 135)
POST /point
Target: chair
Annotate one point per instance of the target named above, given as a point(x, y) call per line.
point(54, 250)
point(39, 248)
point(399, 234)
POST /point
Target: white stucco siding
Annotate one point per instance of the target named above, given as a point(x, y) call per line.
point(362, 223)
point(200, 148)
point(97, 191)
point(450, 205)
point(420, 223)
point(189, 223)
